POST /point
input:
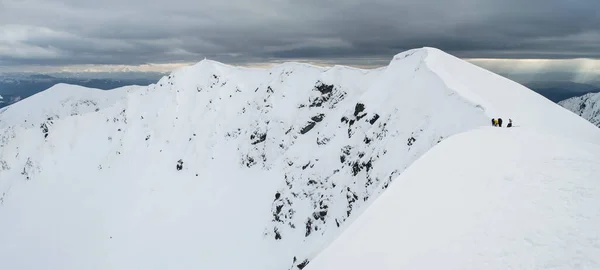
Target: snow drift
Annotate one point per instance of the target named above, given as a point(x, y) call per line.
point(276, 162)
point(486, 199)
point(586, 106)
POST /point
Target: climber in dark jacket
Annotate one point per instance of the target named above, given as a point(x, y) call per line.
point(500, 122)
point(493, 121)
point(509, 123)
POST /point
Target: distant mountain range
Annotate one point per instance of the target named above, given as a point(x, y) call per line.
point(15, 87)
point(561, 90)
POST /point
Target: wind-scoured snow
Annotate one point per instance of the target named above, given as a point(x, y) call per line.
point(486, 199)
point(276, 162)
point(586, 106)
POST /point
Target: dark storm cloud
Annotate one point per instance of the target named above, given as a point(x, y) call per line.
point(52, 32)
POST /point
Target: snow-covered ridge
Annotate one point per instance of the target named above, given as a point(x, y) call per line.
point(276, 161)
point(501, 97)
point(486, 199)
point(586, 106)
point(61, 100)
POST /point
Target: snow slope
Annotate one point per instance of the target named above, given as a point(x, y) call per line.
point(586, 106)
point(486, 199)
point(503, 98)
point(277, 162)
point(59, 101)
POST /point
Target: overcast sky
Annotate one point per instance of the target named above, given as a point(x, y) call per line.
point(153, 35)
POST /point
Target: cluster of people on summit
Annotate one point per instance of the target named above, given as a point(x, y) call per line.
point(498, 122)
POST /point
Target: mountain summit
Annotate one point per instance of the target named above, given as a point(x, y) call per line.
point(222, 167)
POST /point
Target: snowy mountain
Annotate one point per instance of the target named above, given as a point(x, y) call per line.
point(60, 101)
point(586, 106)
point(561, 90)
point(276, 162)
point(17, 86)
point(533, 203)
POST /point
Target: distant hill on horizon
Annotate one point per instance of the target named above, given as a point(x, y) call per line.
point(15, 87)
point(560, 90)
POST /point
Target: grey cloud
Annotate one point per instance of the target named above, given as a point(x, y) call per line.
point(138, 31)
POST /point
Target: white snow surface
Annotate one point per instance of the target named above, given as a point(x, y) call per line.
point(59, 101)
point(277, 162)
point(501, 97)
point(485, 199)
point(586, 106)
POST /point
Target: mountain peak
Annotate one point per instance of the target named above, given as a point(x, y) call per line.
point(213, 162)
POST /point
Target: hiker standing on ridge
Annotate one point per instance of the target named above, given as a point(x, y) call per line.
point(500, 122)
point(495, 122)
point(179, 165)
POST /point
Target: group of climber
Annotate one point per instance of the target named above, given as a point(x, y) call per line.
point(498, 122)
